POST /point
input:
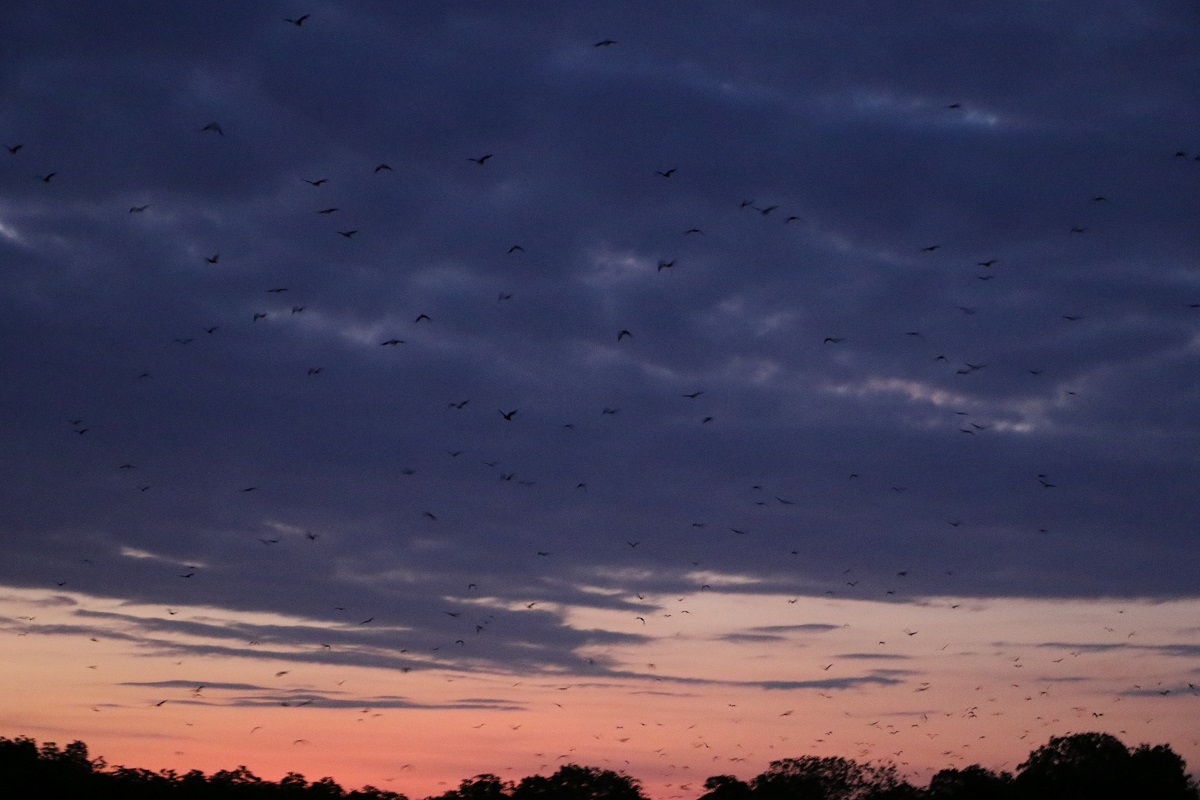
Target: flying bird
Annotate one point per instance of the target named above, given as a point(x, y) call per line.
point(481, 160)
point(622, 334)
point(213, 127)
point(298, 21)
point(605, 43)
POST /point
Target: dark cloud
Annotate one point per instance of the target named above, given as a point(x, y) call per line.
point(886, 286)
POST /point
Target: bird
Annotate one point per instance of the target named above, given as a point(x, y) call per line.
point(348, 234)
point(508, 415)
point(622, 334)
point(833, 340)
point(317, 182)
point(666, 173)
point(391, 342)
point(383, 167)
point(298, 21)
point(13, 149)
point(138, 209)
point(328, 210)
point(481, 160)
point(213, 127)
point(930, 248)
point(516, 248)
point(605, 43)
point(213, 259)
point(422, 318)
point(47, 177)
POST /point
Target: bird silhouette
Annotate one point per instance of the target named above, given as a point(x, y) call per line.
point(298, 21)
point(481, 160)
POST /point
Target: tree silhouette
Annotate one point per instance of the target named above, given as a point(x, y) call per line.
point(726, 787)
point(573, 782)
point(1098, 766)
point(1091, 766)
point(481, 787)
point(970, 783)
point(828, 778)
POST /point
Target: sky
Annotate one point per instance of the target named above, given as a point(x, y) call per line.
point(400, 392)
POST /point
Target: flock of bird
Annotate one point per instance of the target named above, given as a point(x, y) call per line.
point(471, 620)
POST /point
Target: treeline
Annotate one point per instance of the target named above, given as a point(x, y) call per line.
point(1085, 766)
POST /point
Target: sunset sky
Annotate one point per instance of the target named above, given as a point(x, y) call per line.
point(403, 391)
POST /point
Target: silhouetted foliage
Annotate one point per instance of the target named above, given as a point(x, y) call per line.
point(481, 787)
point(28, 771)
point(1091, 766)
point(1098, 766)
point(970, 783)
point(726, 787)
point(573, 782)
point(829, 778)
